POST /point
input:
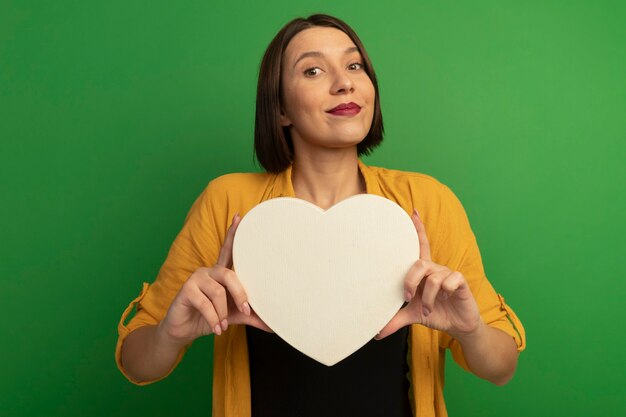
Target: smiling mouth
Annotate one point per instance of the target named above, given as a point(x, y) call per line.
point(345, 109)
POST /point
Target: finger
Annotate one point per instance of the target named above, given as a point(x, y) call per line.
point(228, 278)
point(417, 272)
point(451, 284)
point(255, 321)
point(226, 252)
point(432, 286)
point(402, 318)
point(216, 293)
point(204, 306)
point(421, 235)
point(252, 320)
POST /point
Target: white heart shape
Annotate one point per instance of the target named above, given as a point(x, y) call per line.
point(326, 282)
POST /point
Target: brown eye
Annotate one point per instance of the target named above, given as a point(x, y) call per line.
point(355, 66)
point(312, 72)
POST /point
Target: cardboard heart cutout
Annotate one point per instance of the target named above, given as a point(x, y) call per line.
point(326, 282)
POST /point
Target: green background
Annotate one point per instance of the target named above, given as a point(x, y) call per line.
point(115, 115)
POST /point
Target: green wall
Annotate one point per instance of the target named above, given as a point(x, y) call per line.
point(115, 115)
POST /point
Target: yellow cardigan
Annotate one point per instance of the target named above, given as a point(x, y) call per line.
point(198, 244)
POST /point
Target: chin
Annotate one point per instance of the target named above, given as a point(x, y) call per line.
point(354, 138)
point(347, 143)
point(341, 140)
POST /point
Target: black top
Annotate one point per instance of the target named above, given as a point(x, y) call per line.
point(371, 382)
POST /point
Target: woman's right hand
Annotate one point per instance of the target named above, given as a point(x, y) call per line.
point(210, 300)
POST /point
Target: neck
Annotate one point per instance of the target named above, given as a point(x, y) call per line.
point(325, 179)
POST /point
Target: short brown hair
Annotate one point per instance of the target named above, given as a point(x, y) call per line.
point(273, 146)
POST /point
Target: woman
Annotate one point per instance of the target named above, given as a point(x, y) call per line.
point(318, 110)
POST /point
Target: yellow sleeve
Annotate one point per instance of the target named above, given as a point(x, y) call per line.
point(195, 246)
point(455, 246)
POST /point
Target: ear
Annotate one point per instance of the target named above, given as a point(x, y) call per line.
point(283, 119)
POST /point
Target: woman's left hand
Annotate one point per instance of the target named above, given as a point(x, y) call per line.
point(438, 297)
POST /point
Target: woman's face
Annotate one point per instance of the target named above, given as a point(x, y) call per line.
point(322, 69)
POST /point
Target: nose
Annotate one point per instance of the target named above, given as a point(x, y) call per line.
point(343, 84)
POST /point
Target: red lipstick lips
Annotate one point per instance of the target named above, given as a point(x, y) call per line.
point(345, 109)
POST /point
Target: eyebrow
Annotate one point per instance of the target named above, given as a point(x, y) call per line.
point(319, 54)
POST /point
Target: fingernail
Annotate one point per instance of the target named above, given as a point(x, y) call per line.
point(426, 311)
point(416, 213)
point(224, 324)
point(407, 296)
point(235, 216)
point(217, 329)
point(246, 308)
